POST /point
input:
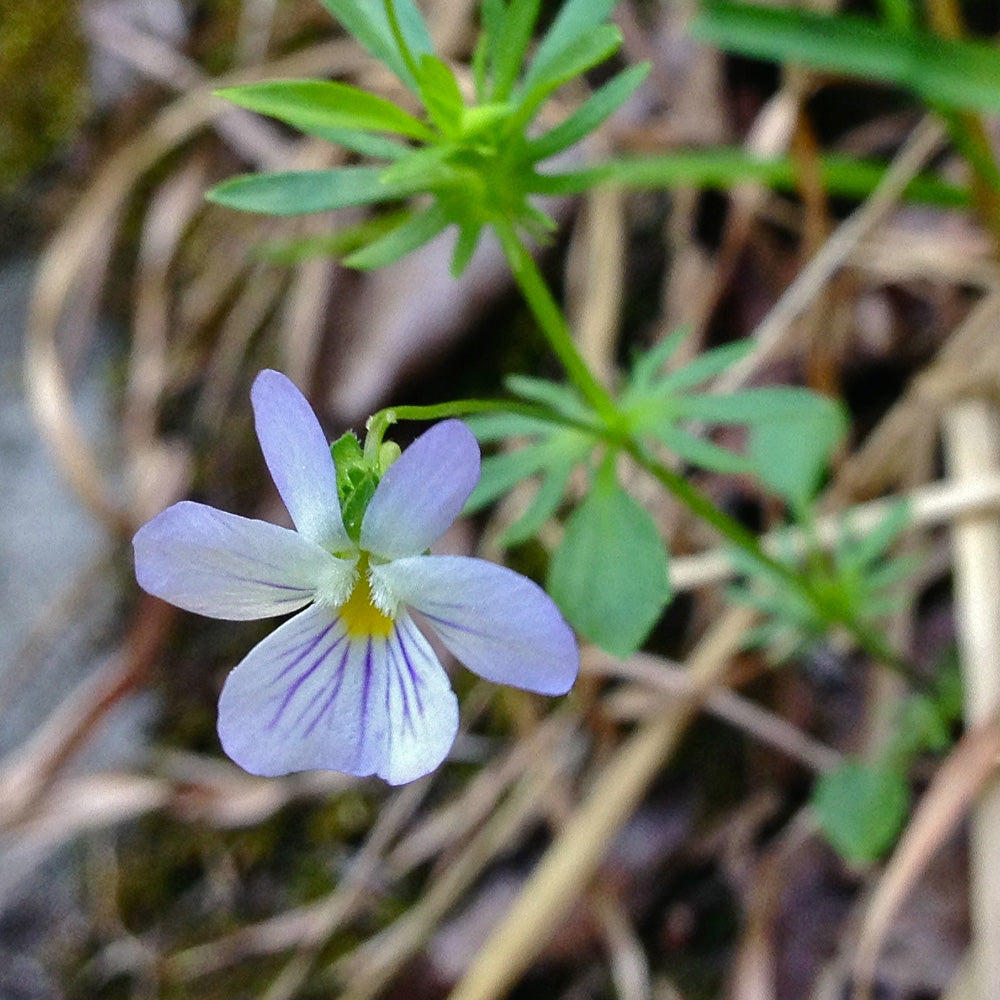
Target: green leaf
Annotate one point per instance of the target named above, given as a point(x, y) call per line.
point(336, 243)
point(604, 102)
point(422, 170)
point(501, 473)
point(301, 191)
point(609, 575)
point(378, 147)
point(518, 24)
point(492, 427)
point(576, 19)
point(367, 21)
point(562, 399)
point(860, 553)
point(316, 106)
point(700, 451)
point(722, 168)
point(861, 808)
point(546, 500)
point(646, 367)
point(576, 59)
point(790, 452)
point(958, 74)
point(492, 14)
point(413, 233)
point(465, 248)
point(441, 95)
point(704, 367)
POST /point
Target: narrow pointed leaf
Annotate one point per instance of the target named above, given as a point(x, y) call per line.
point(512, 44)
point(366, 20)
point(576, 19)
point(371, 144)
point(419, 229)
point(440, 94)
point(301, 191)
point(862, 552)
point(720, 169)
point(544, 503)
point(311, 105)
point(702, 452)
point(704, 367)
point(465, 248)
point(959, 74)
point(560, 398)
point(603, 103)
point(646, 366)
point(501, 473)
point(583, 54)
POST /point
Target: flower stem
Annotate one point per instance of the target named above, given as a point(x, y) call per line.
point(553, 324)
point(464, 407)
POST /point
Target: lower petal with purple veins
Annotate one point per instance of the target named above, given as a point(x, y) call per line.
point(313, 697)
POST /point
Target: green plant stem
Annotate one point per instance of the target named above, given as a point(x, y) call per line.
point(700, 505)
point(553, 324)
point(733, 531)
point(463, 407)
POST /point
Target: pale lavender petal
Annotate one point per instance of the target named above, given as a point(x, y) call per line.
point(310, 697)
point(422, 492)
point(298, 457)
point(224, 566)
point(422, 706)
point(498, 623)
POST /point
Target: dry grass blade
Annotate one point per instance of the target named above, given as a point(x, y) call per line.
point(922, 144)
point(972, 445)
point(567, 867)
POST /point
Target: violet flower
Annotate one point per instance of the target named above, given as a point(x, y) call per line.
point(350, 683)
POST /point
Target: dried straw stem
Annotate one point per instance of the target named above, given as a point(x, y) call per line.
point(972, 445)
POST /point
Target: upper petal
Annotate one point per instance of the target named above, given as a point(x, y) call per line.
point(225, 566)
point(422, 492)
point(298, 457)
point(498, 623)
point(311, 697)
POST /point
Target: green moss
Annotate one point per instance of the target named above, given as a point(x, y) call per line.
point(42, 73)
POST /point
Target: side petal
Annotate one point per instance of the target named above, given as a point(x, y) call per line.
point(298, 457)
point(311, 697)
point(224, 566)
point(498, 623)
point(422, 492)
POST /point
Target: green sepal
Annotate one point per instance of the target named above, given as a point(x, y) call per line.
point(356, 482)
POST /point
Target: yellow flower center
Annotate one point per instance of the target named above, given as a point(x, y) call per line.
point(360, 615)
